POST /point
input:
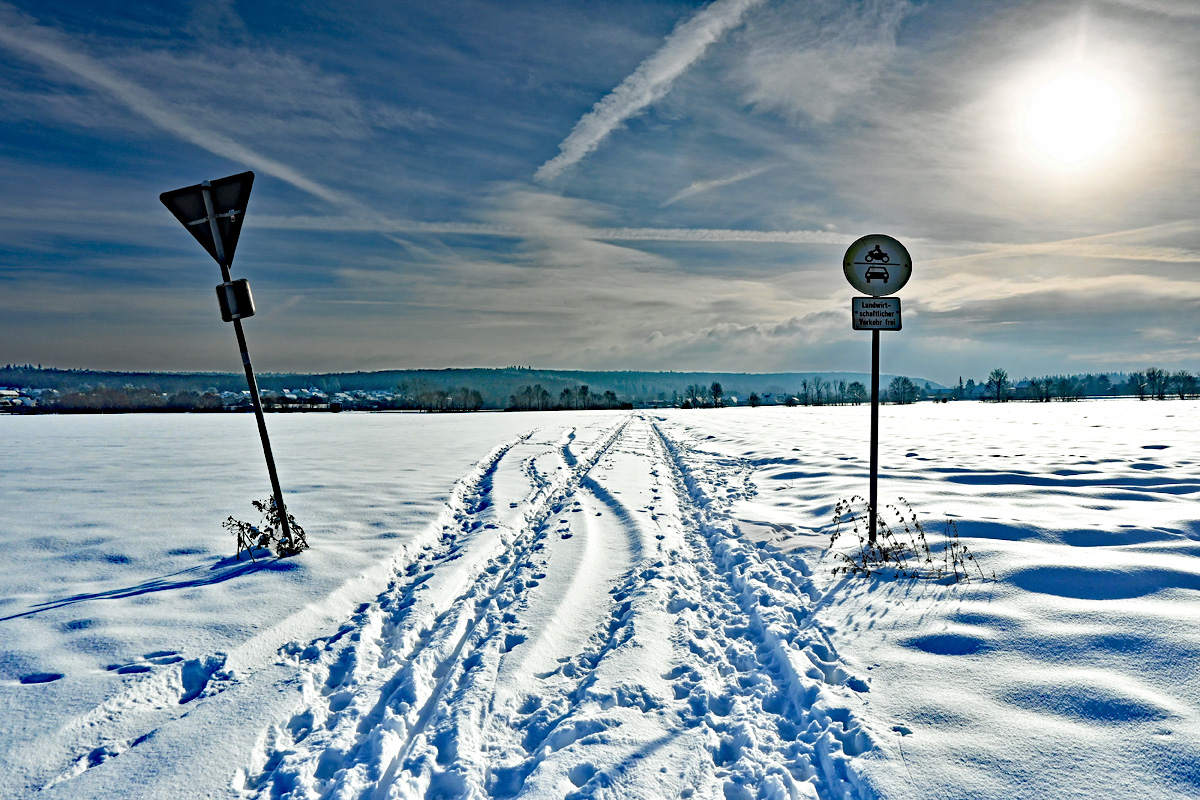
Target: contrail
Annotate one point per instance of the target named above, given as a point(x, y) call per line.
point(704, 186)
point(1101, 245)
point(648, 83)
point(700, 235)
point(37, 42)
point(1171, 8)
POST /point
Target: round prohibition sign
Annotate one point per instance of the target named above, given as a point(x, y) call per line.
point(877, 265)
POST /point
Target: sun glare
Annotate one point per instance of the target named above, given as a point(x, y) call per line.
point(1074, 117)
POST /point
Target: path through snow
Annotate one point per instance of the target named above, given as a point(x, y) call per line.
point(587, 625)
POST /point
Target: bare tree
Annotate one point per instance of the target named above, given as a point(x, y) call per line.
point(902, 390)
point(998, 384)
point(1158, 381)
point(717, 392)
point(1184, 384)
point(819, 385)
point(856, 392)
point(1137, 384)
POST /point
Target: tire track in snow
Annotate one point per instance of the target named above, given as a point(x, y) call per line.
point(136, 713)
point(613, 639)
point(680, 693)
point(367, 703)
point(689, 700)
point(504, 714)
point(767, 600)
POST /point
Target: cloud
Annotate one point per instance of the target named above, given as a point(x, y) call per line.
point(1100, 246)
point(811, 59)
point(24, 37)
point(1186, 9)
point(1121, 322)
point(704, 186)
point(280, 98)
point(215, 19)
point(1090, 299)
point(518, 229)
point(648, 83)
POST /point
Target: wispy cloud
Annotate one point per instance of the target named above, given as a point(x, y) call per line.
point(24, 37)
point(704, 186)
point(648, 83)
point(1171, 8)
point(719, 235)
point(1120, 245)
point(969, 291)
point(810, 59)
point(540, 229)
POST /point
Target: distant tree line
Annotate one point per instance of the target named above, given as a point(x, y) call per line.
point(379, 390)
point(55, 390)
point(1152, 382)
point(697, 395)
point(423, 396)
point(535, 398)
point(815, 391)
point(130, 398)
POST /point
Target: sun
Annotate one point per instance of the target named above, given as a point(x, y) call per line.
point(1074, 117)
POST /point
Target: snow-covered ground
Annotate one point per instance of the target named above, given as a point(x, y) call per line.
point(600, 605)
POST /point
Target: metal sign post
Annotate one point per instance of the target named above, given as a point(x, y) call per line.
point(876, 265)
point(212, 212)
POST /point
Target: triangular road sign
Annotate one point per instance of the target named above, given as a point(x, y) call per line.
point(229, 198)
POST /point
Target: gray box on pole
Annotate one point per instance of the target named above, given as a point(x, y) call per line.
point(235, 300)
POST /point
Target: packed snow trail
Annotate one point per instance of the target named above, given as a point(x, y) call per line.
point(588, 625)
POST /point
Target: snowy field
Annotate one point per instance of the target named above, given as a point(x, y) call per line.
point(625, 605)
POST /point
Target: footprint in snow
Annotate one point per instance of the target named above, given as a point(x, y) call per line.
point(41, 677)
point(148, 661)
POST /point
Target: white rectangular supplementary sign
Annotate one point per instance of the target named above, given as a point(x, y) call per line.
point(876, 313)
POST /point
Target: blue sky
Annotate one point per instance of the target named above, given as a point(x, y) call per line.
point(624, 185)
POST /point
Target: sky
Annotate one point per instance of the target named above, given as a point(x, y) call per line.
point(604, 185)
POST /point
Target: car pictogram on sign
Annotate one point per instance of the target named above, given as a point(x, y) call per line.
point(877, 272)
